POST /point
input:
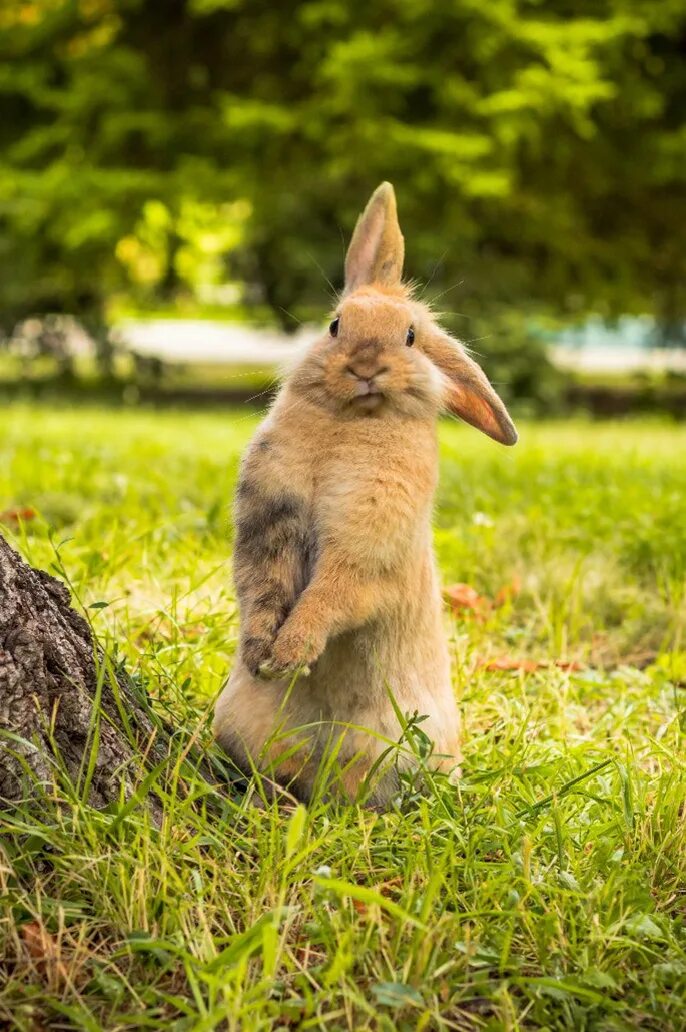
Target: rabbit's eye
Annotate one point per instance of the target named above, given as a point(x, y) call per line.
point(409, 340)
point(333, 327)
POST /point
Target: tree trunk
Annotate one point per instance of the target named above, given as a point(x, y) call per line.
point(66, 712)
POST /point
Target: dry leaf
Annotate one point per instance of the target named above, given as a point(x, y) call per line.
point(391, 887)
point(36, 940)
point(529, 666)
point(22, 513)
point(464, 596)
point(43, 948)
point(510, 663)
point(508, 591)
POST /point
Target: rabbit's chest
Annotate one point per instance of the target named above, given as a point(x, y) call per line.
point(374, 504)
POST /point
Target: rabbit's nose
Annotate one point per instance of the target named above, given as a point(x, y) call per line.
point(365, 360)
point(367, 371)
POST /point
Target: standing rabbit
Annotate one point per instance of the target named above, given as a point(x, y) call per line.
point(341, 614)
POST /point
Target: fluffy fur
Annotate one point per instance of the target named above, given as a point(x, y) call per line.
point(334, 569)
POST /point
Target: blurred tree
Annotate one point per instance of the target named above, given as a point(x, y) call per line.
point(537, 147)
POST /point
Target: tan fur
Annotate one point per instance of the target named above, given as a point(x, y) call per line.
point(336, 578)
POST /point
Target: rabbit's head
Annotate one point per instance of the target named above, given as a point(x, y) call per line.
point(384, 351)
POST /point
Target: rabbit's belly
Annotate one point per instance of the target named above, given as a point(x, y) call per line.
point(349, 693)
point(352, 679)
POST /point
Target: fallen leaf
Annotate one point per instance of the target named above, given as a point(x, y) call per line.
point(464, 596)
point(508, 591)
point(529, 666)
point(510, 663)
point(43, 948)
point(22, 513)
point(35, 939)
point(392, 887)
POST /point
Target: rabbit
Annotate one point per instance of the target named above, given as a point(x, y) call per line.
point(341, 622)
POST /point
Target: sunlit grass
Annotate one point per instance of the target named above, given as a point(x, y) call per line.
point(523, 898)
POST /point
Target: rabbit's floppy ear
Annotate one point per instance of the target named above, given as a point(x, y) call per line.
point(377, 248)
point(469, 394)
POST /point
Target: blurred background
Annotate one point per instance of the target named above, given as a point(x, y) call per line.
point(178, 182)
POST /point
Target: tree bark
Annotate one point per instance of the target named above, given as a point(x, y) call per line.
point(66, 712)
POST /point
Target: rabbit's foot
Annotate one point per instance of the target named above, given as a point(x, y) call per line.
point(292, 653)
point(256, 650)
point(270, 672)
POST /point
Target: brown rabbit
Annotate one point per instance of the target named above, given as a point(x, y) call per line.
point(341, 614)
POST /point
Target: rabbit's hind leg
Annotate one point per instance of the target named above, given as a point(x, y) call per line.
point(251, 726)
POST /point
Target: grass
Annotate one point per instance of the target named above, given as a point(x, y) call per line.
point(546, 891)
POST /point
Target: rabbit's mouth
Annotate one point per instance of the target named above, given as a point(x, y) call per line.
point(366, 388)
point(370, 401)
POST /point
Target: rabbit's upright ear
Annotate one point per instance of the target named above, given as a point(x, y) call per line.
point(469, 395)
point(377, 248)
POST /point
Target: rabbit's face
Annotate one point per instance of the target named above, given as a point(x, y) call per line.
point(383, 351)
point(371, 359)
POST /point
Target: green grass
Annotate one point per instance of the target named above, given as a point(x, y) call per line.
point(546, 891)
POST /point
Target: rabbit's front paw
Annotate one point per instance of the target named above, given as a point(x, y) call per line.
point(256, 651)
point(270, 672)
point(292, 653)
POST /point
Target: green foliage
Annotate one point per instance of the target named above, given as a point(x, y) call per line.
point(545, 891)
point(151, 151)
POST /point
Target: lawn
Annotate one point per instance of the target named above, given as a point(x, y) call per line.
point(546, 890)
